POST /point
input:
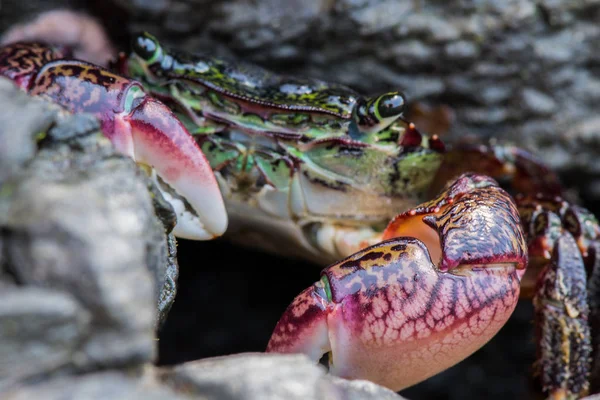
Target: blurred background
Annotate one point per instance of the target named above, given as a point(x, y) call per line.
point(517, 70)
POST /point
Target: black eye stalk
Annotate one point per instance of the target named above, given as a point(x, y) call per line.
point(146, 47)
point(376, 113)
point(391, 105)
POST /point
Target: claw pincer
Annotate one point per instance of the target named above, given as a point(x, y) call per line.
point(138, 125)
point(441, 285)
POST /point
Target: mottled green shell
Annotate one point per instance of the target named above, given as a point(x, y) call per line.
point(254, 84)
point(312, 148)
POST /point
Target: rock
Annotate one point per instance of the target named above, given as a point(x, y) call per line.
point(238, 377)
point(81, 32)
point(40, 330)
point(167, 279)
point(62, 222)
point(538, 103)
point(97, 386)
point(78, 219)
point(20, 121)
point(255, 376)
point(359, 390)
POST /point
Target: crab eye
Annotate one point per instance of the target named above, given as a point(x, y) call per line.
point(146, 47)
point(390, 105)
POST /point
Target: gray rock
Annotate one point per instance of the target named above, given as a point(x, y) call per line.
point(20, 121)
point(538, 103)
point(78, 219)
point(40, 330)
point(359, 390)
point(167, 280)
point(99, 386)
point(84, 232)
point(238, 377)
point(255, 376)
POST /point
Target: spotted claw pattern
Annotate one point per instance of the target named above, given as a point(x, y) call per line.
point(403, 310)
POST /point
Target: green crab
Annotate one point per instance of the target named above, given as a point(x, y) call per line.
point(314, 169)
point(312, 166)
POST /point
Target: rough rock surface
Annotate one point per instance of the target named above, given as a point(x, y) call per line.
point(95, 386)
point(255, 376)
point(239, 377)
point(77, 220)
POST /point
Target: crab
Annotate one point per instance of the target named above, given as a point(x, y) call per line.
point(314, 169)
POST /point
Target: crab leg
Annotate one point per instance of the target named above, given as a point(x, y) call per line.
point(403, 310)
point(562, 329)
point(517, 170)
point(593, 289)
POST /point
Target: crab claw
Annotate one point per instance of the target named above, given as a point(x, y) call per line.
point(403, 310)
point(144, 129)
point(150, 133)
point(138, 125)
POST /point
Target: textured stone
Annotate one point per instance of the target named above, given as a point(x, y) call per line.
point(40, 330)
point(20, 120)
point(84, 233)
point(254, 376)
point(98, 386)
point(359, 390)
point(78, 219)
